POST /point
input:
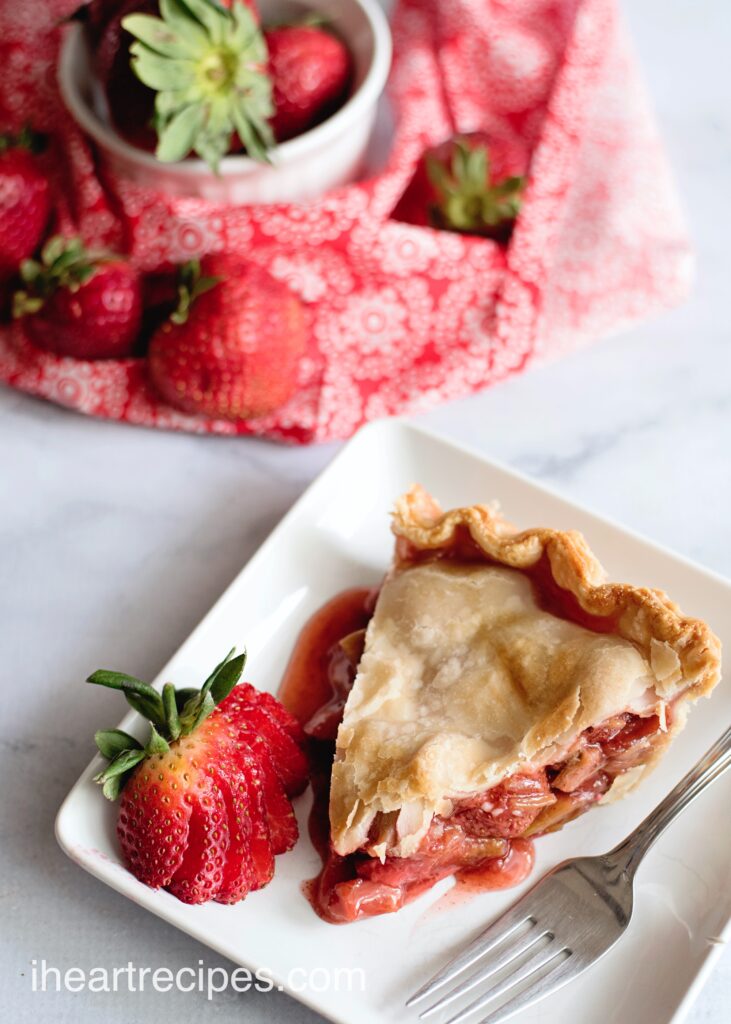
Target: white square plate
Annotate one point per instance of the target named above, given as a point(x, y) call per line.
point(336, 536)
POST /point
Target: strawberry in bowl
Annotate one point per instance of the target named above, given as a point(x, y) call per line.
point(276, 100)
point(204, 804)
point(310, 70)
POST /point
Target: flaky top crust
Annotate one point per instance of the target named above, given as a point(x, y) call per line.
point(684, 653)
point(394, 768)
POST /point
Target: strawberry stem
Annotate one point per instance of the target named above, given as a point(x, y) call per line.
point(64, 263)
point(156, 744)
point(467, 197)
point(171, 715)
point(191, 285)
point(113, 741)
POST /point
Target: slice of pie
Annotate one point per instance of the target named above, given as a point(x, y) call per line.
point(504, 687)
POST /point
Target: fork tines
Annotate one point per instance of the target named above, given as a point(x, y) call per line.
point(538, 962)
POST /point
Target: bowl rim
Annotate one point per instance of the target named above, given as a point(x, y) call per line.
point(365, 97)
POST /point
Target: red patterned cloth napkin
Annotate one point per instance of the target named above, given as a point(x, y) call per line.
point(401, 317)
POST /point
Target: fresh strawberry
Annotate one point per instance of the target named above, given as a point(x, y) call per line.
point(234, 345)
point(471, 183)
point(238, 878)
point(279, 814)
point(280, 818)
point(142, 822)
point(78, 304)
point(311, 70)
point(205, 67)
point(261, 847)
point(203, 810)
point(131, 102)
point(200, 875)
point(25, 202)
point(290, 761)
point(276, 710)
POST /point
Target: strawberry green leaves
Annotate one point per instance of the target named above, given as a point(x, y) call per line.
point(178, 136)
point(156, 744)
point(64, 263)
point(468, 198)
point(170, 706)
point(215, 689)
point(140, 696)
point(161, 38)
point(226, 676)
point(113, 741)
point(113, 777)
point(172, 714)
point(208, 66)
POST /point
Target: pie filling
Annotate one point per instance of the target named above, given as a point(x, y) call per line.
point(486, 839)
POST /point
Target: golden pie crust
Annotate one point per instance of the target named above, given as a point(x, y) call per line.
point(467, 676)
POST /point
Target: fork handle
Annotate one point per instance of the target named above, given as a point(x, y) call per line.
point(711, 766)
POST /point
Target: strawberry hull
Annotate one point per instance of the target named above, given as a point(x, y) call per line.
point(131, 103)
point(446, 194)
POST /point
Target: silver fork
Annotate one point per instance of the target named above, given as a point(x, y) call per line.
point(567, 921)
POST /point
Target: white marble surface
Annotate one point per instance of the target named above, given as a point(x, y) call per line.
point(115, 541)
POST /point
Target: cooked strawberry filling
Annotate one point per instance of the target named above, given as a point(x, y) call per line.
point(358, 886)
point(486, 839)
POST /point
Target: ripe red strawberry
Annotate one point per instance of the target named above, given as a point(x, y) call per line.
point(233, 347)
point(255, 720)
point(276, 710)
point(25, 202)
point(471, 183)
point(262, 846)
point(311, 70)
point(80, 305)
point(280, 818)
point(203, 810)
point(200, 875)
point(238, 876)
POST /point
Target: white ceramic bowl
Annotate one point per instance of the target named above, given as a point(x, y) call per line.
point(303, 168)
